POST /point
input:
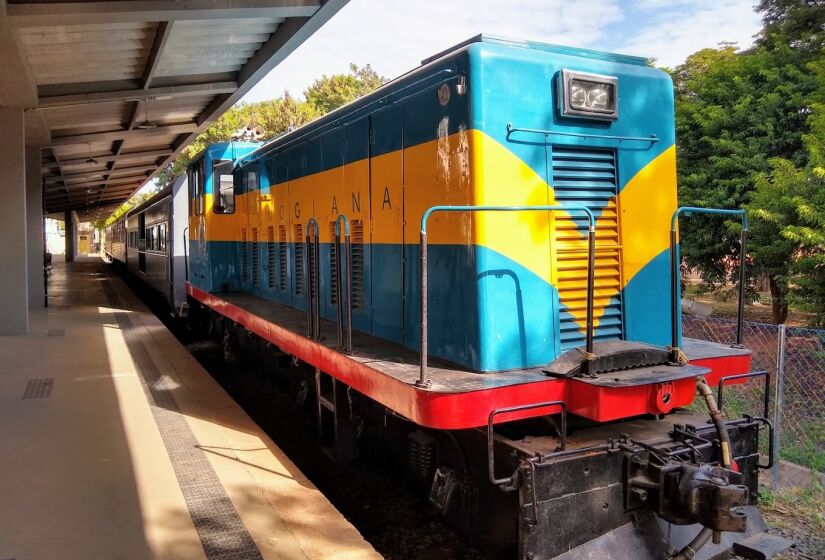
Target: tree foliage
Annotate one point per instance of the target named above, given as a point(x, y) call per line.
point(134, 201)
point(801, 23)
point(328, 93)
point(277, 116)
point(745, 128)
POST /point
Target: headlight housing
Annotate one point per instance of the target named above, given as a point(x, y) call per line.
point(591, 96)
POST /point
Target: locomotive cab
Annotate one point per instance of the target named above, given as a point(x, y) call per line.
point(212, 208)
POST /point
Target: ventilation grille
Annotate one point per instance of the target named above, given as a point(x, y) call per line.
point(270, 257)
point(282, 246)
point(56, 332)
point(357, 248)
point(333, 267)
point(587, 177)
point(244, 257)
point(299, 258)
point(256, 258)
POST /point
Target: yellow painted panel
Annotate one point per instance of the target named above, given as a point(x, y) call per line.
point(387, 200)
point(647, 203)
point(502, 179)
point(439, 173)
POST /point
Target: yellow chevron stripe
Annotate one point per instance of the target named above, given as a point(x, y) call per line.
point(647, 203)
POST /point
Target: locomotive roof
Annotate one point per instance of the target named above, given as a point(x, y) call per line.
point(390, 88)
point(538, 46)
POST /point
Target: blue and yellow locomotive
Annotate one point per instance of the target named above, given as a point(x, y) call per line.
point(513, 201)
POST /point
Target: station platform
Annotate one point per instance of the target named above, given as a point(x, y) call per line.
point(116, 444)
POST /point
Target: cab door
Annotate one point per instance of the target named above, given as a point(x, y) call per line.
point(387, 208)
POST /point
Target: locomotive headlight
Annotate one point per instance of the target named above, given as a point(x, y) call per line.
point(588, 95)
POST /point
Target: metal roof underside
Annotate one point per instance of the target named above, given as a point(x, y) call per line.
point(117, 88)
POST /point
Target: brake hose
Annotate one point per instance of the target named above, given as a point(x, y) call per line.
point(702, 388)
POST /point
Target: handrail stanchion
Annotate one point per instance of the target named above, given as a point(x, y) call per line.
point(316, 282)
point(186, 253)
point(589, 356)
point(310, 273)
point(740, 312)
point(346, 346)
point(675, 263)
point(423, 378)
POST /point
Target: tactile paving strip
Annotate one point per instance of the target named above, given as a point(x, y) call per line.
point(222, 533)
point(38, 388)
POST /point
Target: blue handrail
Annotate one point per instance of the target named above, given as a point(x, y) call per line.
point(423, 380)
point(675, 262)
point(652, 138)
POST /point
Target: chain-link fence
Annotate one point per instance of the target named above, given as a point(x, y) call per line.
point(795, 359)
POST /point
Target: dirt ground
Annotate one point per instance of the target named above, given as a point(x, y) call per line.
point(725, 305)
point(798, 515)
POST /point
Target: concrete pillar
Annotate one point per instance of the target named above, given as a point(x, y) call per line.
point(35, 225)
point(71, 236)
point(14, 299)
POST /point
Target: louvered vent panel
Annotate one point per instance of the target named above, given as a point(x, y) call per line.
point(270, 257)
point(333, 267)
point(587, 177)
point(244, 257)
point(299, 259)
point(256, 258)
point(357, 255)
point(282, 264)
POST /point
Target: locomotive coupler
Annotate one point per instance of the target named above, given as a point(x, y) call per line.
point(685, 493)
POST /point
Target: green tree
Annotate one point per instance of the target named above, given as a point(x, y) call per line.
point(748, 135)
point(135, 200)
point(329, 93)
point(734, 113)
point(277, 116)
point(788, 206)
point(800, 23)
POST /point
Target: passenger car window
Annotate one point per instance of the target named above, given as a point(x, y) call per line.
point(162, 237)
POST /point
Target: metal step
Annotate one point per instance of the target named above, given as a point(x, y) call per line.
point(761, 546)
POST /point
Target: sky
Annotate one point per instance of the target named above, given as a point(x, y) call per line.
point(395, 35)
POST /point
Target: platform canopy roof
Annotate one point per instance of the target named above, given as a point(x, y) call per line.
point(113, 90)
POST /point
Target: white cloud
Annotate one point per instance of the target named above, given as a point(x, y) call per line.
point(679, 29)
point(395, 35)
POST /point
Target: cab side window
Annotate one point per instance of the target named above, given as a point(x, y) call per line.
point(201, 191)
point(195, 188)
point(223, 186)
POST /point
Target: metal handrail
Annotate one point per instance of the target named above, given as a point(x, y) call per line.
point(186, 254)
point(342, 345)
point(491, 459)
point(766, 394)
point(675, 261)
point(312, 281)
point(423, 380)
point(652, 138)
